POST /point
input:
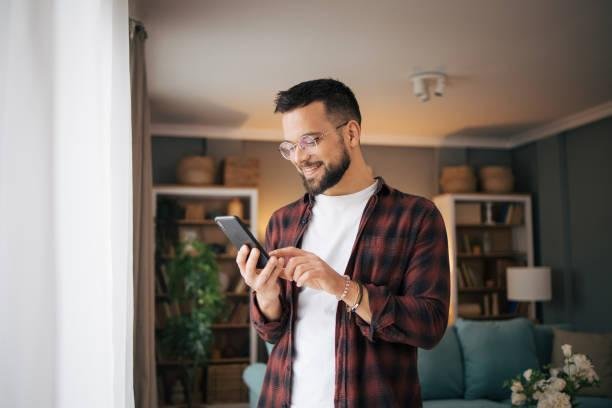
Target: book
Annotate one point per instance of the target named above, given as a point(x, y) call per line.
point(486, 304)
point(467, 248)
point(469, 309)
point(466, 276)
point(518, 215)
point(461, 278)
point(468, 213)
point(494, 304)
point(509, 213)
point(477, 277)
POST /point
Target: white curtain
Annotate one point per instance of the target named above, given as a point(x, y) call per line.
point(65, 204)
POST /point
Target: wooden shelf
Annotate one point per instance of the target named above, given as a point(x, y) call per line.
point(231, 295)
point(507, 244)
point(230, 326)
point(503, 316)
point(236, 295)
point(481, 290)
point(492, 255)
point(223, 360)
point(192, 222)
point(215, 200)
point(229, 360)
point(491, 226)
point(208, 405)
point(225, 257)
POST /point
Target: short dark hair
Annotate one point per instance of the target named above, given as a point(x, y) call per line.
point(338, 98)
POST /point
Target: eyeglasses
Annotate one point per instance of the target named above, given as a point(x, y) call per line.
point(307, 143)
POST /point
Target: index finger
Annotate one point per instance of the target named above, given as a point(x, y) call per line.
point(287, 251)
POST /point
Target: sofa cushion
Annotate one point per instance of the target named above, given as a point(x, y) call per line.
point(544, 336)
point(253, 377)
point(493, 352)
point(461, 403)
point(598, 347)
point(441, 369)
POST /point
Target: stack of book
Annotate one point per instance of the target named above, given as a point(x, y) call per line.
point(510, 213)
point(468, 277)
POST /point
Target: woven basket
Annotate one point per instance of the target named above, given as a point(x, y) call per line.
point(196, 170)
point(241, 171)
point(496, 179)
point(458, 179)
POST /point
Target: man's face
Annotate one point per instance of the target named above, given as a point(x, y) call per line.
point(324, 166)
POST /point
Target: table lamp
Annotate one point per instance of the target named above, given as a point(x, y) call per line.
point(529, 284)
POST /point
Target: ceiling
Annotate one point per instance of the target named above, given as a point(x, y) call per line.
point(518, 70)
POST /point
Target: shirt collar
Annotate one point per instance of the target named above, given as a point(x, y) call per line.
point(382, 188)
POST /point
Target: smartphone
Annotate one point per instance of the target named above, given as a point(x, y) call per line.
point(240, 235)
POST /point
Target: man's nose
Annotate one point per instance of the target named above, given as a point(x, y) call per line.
point(300, 155)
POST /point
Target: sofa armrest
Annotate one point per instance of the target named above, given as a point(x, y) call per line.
point(253, 377)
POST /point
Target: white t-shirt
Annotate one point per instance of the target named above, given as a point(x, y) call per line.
point(330, 235)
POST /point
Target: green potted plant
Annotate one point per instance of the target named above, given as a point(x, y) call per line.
point(193, 281)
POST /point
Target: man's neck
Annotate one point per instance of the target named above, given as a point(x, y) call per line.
point(354, 180)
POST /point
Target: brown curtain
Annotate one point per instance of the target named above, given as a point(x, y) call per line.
point(145, 384)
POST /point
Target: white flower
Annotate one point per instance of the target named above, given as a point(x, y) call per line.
point(537, 395)
point(554, 372)
point(517, 387)
point(527, 374)
point(584, 368)
point(554, 399)
point(518, 398)
point(567, 350)
point(557, 384)
point(570, 369)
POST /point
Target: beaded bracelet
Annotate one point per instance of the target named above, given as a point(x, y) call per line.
point(359, 298)
point(347, 285)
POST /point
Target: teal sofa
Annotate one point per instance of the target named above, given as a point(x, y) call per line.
point(471, 362)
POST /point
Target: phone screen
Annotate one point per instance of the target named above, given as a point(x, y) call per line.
point(240, 235)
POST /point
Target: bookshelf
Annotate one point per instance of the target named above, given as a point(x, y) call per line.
point(235, 341)
point(486, 233)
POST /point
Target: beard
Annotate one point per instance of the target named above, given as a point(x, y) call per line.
point(332, 174)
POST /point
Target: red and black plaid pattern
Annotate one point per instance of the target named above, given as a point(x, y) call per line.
point(401, 257)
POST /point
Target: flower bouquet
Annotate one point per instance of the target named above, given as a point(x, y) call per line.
point(554, 387)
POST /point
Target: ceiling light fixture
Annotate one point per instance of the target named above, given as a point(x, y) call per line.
point(422, 81)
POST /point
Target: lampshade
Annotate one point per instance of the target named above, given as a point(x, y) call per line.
point(528, 283)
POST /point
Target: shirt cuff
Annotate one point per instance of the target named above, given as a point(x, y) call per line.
point(379, 302)
point(269, 330)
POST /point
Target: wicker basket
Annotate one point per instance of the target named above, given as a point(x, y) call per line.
point(458, 179)
point(241, 171)
point(196, 170)
point(224, 383)
point(496, 179)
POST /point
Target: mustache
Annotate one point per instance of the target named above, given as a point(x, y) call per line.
point(310, 164)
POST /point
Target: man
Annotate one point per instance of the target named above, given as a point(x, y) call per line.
point(358, 275)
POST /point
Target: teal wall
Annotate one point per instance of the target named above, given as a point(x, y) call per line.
point(570, 178)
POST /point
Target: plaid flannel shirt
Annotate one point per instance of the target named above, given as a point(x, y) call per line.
point(400, 255)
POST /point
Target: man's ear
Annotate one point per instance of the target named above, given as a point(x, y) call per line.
point(354, 133)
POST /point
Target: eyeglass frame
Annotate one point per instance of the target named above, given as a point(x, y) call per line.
point(312, 144)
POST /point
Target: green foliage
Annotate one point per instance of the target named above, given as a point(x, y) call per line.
point(193, 280)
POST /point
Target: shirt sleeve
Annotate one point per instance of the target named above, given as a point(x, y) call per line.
point(270, 331)
point(418, 316)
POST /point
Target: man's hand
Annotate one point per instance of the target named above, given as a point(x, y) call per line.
point(307, 269)
point(263, 281)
